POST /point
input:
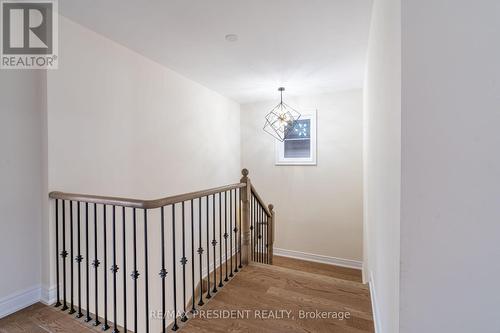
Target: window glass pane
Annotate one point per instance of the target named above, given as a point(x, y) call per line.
point(301, 129)
point(297, 148)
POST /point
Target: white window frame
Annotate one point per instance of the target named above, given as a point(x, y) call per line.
point(279, 146)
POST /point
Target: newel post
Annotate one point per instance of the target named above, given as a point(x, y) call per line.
point(270, 234)
point(245, 214)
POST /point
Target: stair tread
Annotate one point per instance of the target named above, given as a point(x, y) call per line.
point(261, 286)
point(311, 275)
point(345, 273)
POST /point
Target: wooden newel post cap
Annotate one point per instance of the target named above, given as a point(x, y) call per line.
point(271, 207)
point(244, 172)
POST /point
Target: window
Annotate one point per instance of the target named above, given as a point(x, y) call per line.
point(299, 148)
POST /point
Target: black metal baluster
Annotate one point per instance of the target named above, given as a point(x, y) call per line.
point(252, 217)
point(58, 298)
point(239, 203)
point(264, 226)
point(174, 327)
point(146, 272)
point(114, 269)
point(124, 268)
point(225, 231)
point(231, 231)
point(220, 239)
point(264, 240)
point(257, 226)
point(105, 325)
point(214, 243)
point(193, 309)
point(262, 232)
point(269, 234)
point(200, 252)
point(64, 254)
point(267, 237)
point(87, 257)
point(163, 272)
point(135, 274)
point(183, 263)
point(261, 226)
point(208, 296)
point(254, 228)
point(72, 306)
point(235, 231)
point(257, 230)
point(96, 263)
point(79, 259)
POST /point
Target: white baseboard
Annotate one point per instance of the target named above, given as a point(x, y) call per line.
point(373, 296)
point(48, 295)
point(319, 258)
point(205, 270)
point(19, 300)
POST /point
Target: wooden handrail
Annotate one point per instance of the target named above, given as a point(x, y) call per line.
point(262, 203)
point(253, 236)
point(144, 204)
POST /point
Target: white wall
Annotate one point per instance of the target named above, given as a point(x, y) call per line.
point(450, 230)
point(22, 103)
point(382, 162)
point(121, 124)
point(319, 208)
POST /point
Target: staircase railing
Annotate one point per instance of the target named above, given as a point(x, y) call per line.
point(218, 231)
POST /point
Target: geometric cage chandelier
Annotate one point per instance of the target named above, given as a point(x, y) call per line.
point(281, 120)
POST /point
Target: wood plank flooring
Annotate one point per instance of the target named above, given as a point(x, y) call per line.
point(291, 288)
point(339, 272)
point(40, 318)
point(261, 298)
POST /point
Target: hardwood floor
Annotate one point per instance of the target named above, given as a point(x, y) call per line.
point(343, 273)
point(261, 298)
point(40, 318)
point(288, 290)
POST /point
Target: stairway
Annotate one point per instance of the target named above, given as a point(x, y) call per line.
point(253, 292)
point(288, 297)
point(287, 287)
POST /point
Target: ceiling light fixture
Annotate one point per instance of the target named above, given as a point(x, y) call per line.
point(231, 37)
point(281, 120)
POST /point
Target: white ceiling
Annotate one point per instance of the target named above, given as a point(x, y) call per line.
point(308, 46)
